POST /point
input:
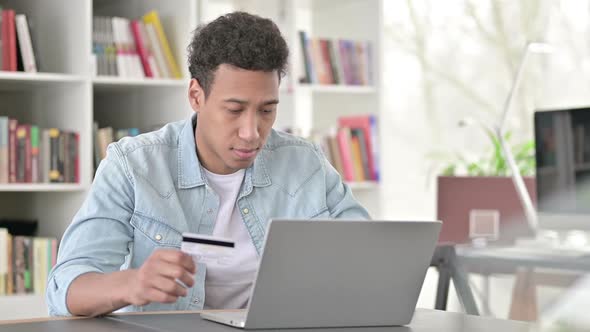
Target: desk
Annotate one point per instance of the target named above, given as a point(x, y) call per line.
point(487, 261)
point(425, 320)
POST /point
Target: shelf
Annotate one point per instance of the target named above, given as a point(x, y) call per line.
point(41, 187)
point(363, 185)
point(117, 83)
point(358, 89)
point(13, 79)
point(582, 167)
point(22, 306)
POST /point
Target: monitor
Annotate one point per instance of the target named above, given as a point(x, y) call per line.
point(562, 139)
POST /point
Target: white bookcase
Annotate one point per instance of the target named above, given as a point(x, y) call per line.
point(65, 94)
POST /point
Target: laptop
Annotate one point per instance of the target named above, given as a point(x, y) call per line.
point(326, 273)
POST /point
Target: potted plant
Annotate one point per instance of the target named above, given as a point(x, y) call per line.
point(477, 198)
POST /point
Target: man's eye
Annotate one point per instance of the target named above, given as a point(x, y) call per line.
point(235, 110)
point(267, 111)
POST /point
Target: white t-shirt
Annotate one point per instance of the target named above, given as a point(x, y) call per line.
point(228, 286)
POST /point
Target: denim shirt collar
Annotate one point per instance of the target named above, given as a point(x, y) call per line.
point(190, 172)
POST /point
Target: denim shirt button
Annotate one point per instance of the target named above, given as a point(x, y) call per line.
point(158, 237)
point(196, 300)
point(209, 211)
point(246, 211)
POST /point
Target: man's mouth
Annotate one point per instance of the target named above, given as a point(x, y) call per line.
point(245, 153)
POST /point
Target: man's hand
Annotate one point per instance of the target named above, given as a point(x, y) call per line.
point(156, 280)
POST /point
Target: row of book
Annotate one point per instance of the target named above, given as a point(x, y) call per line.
point(105, 136)
point(29, 154)
point(132, 48)
point(345, 62)
point(25, 263)
point(15, 41)
point(352, 148)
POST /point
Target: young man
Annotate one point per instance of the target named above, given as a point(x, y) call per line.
point(222, 172)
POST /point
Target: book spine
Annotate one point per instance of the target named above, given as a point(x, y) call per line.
point(158, 52)
point(34, 154)
point(23, 140)
point(67, 165)
point(12, 40)
point(4, 149)
point(61, 156)
point(10, 265)
point(141, 48)
point(153, 18)
point(26, 46)
point(357, 164)
point(306, 77)
point(29, 267)
point(12, 150)
point(54, 172)
point(38, 259)
point(19, 264)
point(3, 260)
point(75, 154)
point(343, 137)
point(5, 53)
point(45, 160)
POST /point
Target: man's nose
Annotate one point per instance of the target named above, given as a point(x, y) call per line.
point(249, 128)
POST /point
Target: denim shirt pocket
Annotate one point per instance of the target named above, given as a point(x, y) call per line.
point(151, 234)
point(158, 232)
point(323, 214)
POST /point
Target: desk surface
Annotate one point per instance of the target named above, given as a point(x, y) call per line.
point(502, 258)
point(425, 320)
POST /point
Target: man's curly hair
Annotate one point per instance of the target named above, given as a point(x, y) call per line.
point(239, 39)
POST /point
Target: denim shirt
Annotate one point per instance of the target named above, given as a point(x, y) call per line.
point(151, 188)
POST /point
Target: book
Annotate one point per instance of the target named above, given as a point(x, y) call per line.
point(26, 46)
point(368, 124)
point(364, 158)
point(45, 156)
point(9, 59)
point(12, 125)
point(5, 47)
point(142, 50)
point(306, 75)
point(35, 154)
point(153, 18)
point(335, 153)
point(11, 40)
point(3, 260)
point(19, 264)
point(4, 149)
point(55, 174)
point(24, 162)
point(10, 265)
point(158, 51)
point(357, 164)
point(344, 138)
point(39, 256)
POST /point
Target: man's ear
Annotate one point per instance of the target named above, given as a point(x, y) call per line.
point(196, 95)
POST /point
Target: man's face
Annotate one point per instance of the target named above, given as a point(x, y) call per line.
point(236, 118)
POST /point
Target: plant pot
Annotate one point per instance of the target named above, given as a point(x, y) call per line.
point(462, 199)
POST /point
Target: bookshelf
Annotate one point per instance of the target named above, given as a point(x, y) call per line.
point(317, 107)
point(66, 94)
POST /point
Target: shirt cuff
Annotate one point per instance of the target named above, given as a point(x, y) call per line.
point(59, 284)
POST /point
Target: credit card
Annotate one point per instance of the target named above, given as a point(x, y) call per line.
point(208, 249)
